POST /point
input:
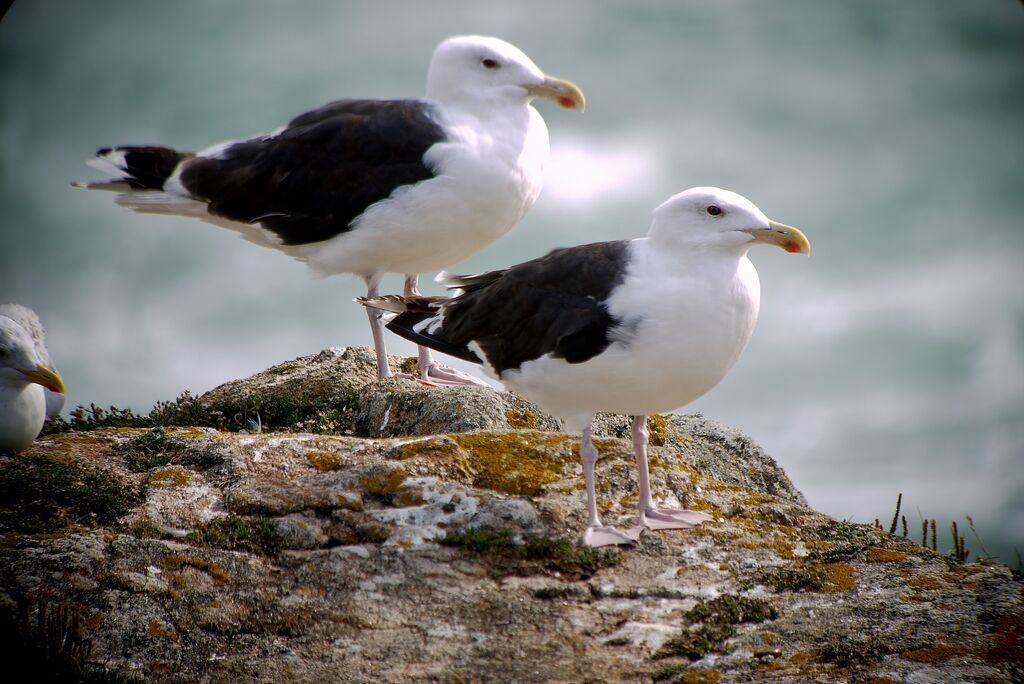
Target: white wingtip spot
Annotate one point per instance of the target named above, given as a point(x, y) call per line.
point(113, 162)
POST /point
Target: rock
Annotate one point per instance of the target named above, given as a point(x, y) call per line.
point(437, 543)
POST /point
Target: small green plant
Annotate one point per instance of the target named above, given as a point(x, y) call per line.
point(847, 652)
point(146, 451)
point(715, 622)
point(795, 579)
point(237, 533)
point(958, 551)
point(48, 639)
point(43, 495)
point(554, 554)
point(321, 414)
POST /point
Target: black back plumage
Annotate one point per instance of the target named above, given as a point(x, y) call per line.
point(309, 182)
point(551, 305)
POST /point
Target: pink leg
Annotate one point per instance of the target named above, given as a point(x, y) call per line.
point(433, 373)
point(377, 329)
point(596, 533)
point(651, 517)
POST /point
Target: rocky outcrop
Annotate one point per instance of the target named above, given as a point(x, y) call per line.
point(427, 534)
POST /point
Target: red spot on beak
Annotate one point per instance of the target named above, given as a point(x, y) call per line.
point(567, 102)
point(792, 247)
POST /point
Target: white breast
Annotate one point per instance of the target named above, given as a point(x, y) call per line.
point(22, 410)
point(490, 174)
point(686, 325)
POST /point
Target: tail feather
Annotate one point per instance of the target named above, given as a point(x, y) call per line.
point(399, 304)
point(417, 320)
point(141, 167)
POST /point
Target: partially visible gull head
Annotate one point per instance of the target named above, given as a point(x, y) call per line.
point(19, 362)
point(715, 219)
point(475, 71)
point(28, 320)
point(22, 404)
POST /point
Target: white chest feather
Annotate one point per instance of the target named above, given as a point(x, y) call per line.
point(488, 177)
point(22, 410)
point(684, 327)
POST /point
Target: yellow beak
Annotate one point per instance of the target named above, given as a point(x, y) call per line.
point(565, 93)
point(787, 237)
point(48, 378)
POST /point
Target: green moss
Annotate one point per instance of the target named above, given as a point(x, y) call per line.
point(843, 651)
point(237, 533)
point(533, 554)
point(716, 622)
point(44, 495)
point(732, 610)
point(795, 579)
point(148, 450)
point(318, 410)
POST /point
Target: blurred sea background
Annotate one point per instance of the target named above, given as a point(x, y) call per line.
point(891, 360)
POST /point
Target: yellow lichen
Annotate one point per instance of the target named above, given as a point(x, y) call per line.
point(782, 547)
point(516, 462)
point(838, 577)
point(157, 629)
point(925, 582)
point(936, 654)
point(384, 483)
point(168, 477)
point(521, 418)
point(179, 563)
point(187, 432)
point(701, 677)
point(657, 429)
point(324, 461)
point(877, 555)
point(408, 497)
point(715, 532)
point(914, 598)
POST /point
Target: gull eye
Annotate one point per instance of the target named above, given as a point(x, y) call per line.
point(714, 210)
point(489, 63)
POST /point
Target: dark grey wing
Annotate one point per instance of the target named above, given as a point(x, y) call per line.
point(552, 305)
point(308, 182)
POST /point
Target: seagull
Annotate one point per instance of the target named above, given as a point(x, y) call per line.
point(28, 319)
point(638, 327)
point(370, 187)
point(23, 376)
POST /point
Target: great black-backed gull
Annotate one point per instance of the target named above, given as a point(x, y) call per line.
point(23, 376)
point(635, 327)
point(370, 187)
point(28, 319)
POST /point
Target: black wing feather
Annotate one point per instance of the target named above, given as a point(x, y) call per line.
point(551, 305)
point(310, 181)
